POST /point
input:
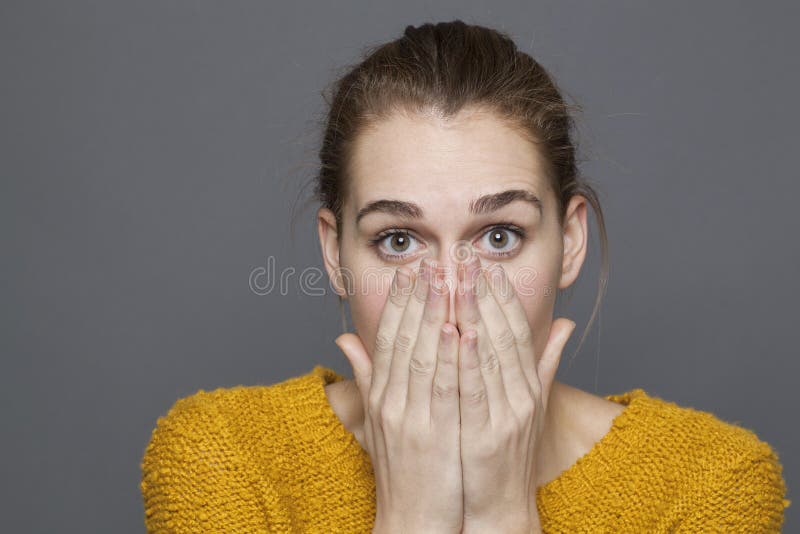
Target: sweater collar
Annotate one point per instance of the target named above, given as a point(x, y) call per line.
point(330, 440)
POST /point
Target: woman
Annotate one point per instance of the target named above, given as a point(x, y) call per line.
point(452, 211)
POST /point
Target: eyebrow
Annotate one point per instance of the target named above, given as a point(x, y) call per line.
point(480, 206)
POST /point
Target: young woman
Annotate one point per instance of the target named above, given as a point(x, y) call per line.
point(451, 212)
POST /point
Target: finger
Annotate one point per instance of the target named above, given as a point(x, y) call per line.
point(518, 388)
point(396, 392)
point(472, 393)
point(507, 297)
point(469, 318)
point(444, 402)
point(356, 353)
point(352, 347)
point(388, 325)
point(422, 365)
point(560, 332)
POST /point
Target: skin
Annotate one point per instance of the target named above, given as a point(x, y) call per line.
point(441, 166)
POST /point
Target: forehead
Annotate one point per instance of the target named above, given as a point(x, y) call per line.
point(423, 156)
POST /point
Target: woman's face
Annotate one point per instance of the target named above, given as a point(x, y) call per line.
point(440, 177)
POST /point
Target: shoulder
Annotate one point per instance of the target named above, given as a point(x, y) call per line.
point(261, 419)
point(700, 432)
point(211, 412)
point(226, 412)
point(740, 484)
point(689, 443)
point(211, 459)
point(200, 430)
point(729, 477)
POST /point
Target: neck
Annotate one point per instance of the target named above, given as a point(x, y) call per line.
point(555, 434)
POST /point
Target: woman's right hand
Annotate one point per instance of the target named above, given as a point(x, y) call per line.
point(410, 397)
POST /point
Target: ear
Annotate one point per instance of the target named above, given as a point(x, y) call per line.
point(329, 243)
point(575, 240)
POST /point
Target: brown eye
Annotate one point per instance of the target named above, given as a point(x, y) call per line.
point(502, 240)
point(394, 245)
point(398, 242)
point(498, 238)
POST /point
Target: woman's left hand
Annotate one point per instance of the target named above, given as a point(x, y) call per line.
point(504, 394)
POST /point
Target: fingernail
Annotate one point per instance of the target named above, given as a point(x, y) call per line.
point(435, 288)
point(436, 280)
point(480, 285)
point(426, 268)
point(471, 271)
point(403, 278)
point(423, 285)
point(496, 274)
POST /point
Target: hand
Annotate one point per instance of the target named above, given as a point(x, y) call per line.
point(410, 396)
point(503, 401)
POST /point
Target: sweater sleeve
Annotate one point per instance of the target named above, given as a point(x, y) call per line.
point(747, 497)
point(192, 479)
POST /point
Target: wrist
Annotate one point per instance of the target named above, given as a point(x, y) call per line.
point(403, 526)
point(528, 524)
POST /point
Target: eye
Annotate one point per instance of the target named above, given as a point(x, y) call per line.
point(393, 244)
point(502, 240)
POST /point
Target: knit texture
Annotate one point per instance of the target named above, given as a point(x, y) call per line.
point(277, 458)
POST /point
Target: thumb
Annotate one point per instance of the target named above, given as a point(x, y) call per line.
point(355, 352)
point(560, 331)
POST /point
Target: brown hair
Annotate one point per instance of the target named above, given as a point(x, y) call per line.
point(446, 67)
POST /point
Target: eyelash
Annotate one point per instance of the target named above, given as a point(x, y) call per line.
point(513, 228)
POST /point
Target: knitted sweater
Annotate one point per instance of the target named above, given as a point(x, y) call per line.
point(278, 459)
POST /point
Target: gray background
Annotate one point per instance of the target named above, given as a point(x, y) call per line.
point(152, 151)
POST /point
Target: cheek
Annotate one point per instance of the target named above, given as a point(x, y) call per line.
point(533, 284)
point(366, 306)
point(536, 292)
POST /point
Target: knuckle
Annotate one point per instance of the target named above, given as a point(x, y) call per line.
point(398, 298)
point(490, 364)
point(525, 337)
point(526, 410)
point(374, 404)
point(504, 339)
point(431, 319)
point(389, 417)
point(446, 358)
point(403, 342)
point(421, 367)
point(444, 391)
point(383, 342)
point(476, 397)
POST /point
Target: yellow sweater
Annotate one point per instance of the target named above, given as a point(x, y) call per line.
point(277, 459)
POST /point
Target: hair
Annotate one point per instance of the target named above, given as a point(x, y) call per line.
point(443, 68)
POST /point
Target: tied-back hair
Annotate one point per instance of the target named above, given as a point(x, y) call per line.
point(441, 69)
